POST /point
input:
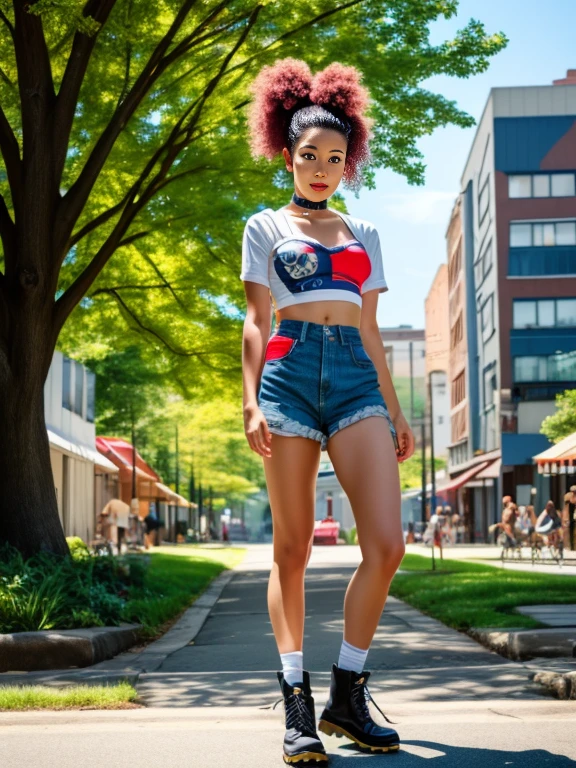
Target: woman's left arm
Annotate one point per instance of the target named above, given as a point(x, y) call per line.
point(372, 341)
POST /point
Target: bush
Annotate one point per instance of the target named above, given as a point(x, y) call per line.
point(50, 592)
point(78, 549)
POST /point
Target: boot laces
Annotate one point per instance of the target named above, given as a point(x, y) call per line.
point(361, 696)
point(298, 715)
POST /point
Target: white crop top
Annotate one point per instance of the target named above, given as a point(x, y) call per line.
point(299, 269)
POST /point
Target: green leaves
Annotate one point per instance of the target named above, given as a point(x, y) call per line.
point(562, 423)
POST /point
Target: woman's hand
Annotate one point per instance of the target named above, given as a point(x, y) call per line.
point(405, 438)
point(257, 432)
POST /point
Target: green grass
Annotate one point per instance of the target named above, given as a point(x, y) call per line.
point(16, 697)
point(462, 594)
point(175, 578)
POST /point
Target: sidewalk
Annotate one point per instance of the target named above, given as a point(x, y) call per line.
point(413, 657)
point(209, 698)
point(489, 554)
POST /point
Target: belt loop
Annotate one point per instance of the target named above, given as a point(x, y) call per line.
point(304, 329)
point(341, 334)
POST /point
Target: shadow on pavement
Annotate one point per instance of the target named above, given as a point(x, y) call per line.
point(413, 753)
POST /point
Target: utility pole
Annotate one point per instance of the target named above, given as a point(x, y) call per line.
point(433, 492)
point(423, 439)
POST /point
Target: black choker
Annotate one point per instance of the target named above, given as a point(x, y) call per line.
point(304, 203)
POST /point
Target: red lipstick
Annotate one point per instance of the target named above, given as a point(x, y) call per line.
point(319, 187)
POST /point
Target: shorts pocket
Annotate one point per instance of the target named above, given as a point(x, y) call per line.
point(360, 356)
point(278, 348)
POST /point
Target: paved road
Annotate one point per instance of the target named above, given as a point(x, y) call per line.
point(209, 704)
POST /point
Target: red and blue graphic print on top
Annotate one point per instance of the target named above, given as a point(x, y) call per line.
point(305, 266)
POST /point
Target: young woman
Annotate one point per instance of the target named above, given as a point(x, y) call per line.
point(320, 381)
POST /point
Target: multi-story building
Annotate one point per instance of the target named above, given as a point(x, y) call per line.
point(512, 294)
point(438, 358)
point(84, 479)
point(406, 357)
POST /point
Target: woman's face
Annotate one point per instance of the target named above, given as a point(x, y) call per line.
point(317, 163)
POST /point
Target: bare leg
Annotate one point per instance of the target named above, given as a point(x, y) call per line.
point(365, 463)
point(291, 474)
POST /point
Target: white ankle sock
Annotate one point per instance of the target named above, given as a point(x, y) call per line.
point(351, 657)
point(292, 666)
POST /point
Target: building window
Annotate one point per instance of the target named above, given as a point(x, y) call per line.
point(562, 185)
point(458, 390)
point(520, 186)
point(544, 313)
point(489, 385)
point(67, 383)
point(454, 265)
point(542, 185)
point(566, 312)
point(542, 233)
point(484, 201)
point(520, 235)
point(90, 396)
point(456, 332)
point(487, 318)
point(558, 367)
point(78, 387)
point(483, 265)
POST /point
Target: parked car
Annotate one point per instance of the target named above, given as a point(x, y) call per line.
point(238, 532)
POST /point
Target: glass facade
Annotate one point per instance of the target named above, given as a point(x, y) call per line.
point(558, 367)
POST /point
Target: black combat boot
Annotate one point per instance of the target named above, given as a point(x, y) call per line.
point(301, 742)
point(347, 713)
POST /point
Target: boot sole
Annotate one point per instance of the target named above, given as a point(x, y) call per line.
point(335, 730)
point(306, 757)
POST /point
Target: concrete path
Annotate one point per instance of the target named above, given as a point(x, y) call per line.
point(233, 660)
point(489, 554)
point(563, 615)
point(209, 703)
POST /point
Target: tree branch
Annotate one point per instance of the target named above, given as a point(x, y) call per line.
point(80, 286)
point(8, 236)
point(76, 66)
point(11, 153)
point(76, 197)
point(34, 70)
point(7, 22)
point(152, 332)
point(99, 291)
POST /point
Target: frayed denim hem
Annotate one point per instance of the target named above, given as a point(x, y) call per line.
point(363, 413)
point(280, 424)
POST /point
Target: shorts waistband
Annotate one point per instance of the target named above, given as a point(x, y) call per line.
point(303, 329)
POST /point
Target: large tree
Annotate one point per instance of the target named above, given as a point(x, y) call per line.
point(126, 169)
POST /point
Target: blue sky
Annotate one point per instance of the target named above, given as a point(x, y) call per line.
point(412, 220)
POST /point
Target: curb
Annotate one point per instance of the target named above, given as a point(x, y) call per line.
point(129, 666)
point(61, 649)
point(563, 685)
point(525, 644)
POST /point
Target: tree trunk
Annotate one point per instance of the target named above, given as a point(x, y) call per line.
point(28, 508)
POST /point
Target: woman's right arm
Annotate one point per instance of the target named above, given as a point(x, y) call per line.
point(255, 336)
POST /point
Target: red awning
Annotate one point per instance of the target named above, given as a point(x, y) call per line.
point(460, 480)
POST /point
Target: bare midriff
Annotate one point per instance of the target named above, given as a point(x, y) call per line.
point(331, 312)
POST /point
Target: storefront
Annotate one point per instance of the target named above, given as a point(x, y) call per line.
point(557, 464)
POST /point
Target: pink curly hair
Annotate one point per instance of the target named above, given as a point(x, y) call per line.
point(283, 88)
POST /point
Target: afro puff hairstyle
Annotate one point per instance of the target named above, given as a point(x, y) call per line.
point(283, 89)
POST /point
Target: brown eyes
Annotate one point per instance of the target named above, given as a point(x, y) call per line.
point(310, 156)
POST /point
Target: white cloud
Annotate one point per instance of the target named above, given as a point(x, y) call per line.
point(420, 206)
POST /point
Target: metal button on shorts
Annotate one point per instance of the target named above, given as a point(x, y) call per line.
point(318, 379)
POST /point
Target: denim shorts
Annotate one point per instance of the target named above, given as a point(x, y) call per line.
point(318, 379)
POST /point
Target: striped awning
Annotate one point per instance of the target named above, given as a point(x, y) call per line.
point(559, 459)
